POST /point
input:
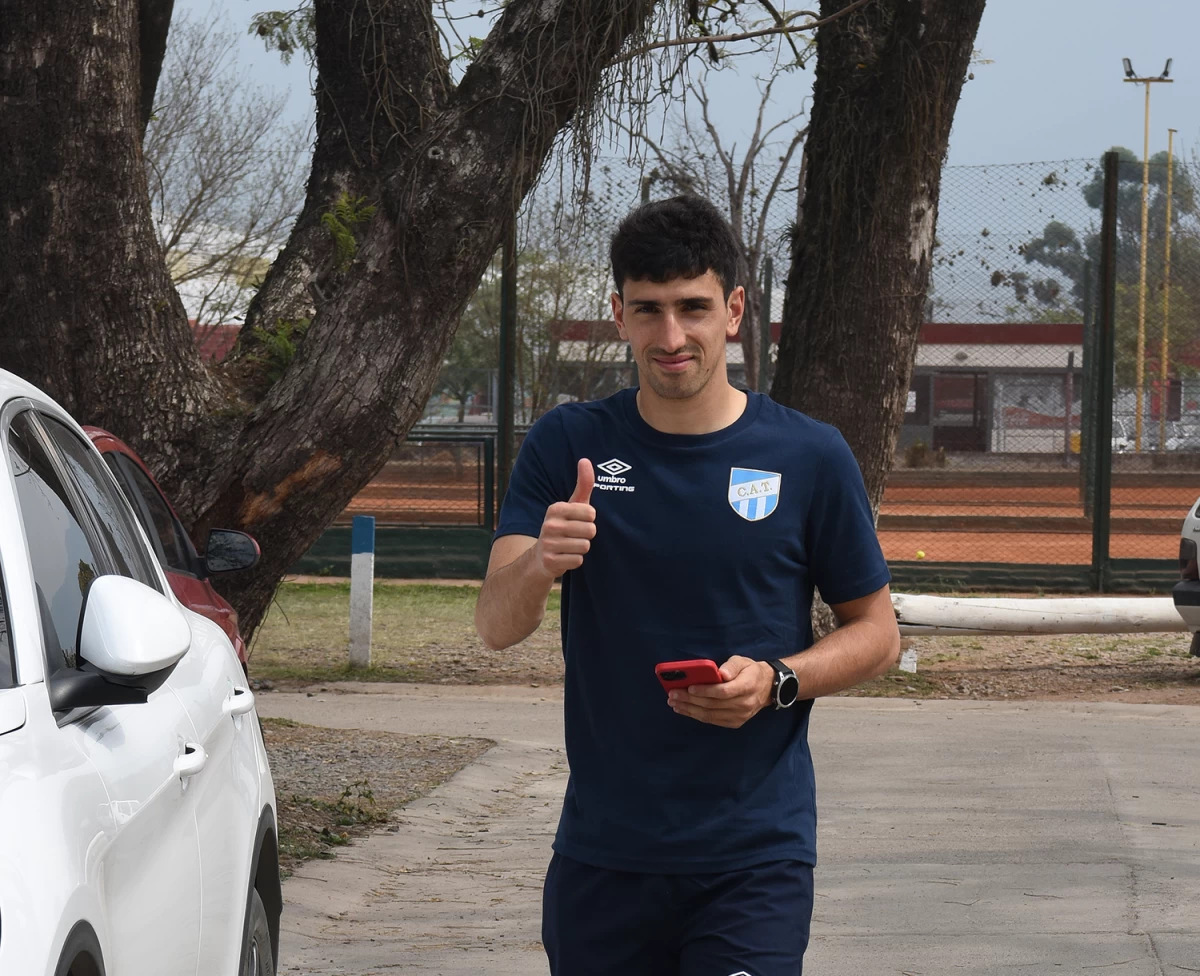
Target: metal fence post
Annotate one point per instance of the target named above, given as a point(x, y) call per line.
point(1069, 397)
point(1106, 355)
point(1087, 409)
point(505, 402)
point(489, 484)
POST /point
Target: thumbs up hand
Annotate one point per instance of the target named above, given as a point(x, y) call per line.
point(569, 526)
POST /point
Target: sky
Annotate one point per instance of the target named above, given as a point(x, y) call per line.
point(1054, 90)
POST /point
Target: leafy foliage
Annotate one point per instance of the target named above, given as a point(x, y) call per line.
point(474, 353)
point(277, 346)
point(287, 31)
point(340, 220)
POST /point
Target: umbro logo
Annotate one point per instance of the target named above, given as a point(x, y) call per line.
point(611, 479)
point(614, 467)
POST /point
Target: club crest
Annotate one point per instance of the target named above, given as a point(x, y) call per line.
point(753, 494)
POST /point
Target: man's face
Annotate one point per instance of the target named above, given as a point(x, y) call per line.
point(677, 330)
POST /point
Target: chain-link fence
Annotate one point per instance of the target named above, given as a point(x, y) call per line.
point(998, 462)
point(433, 478)
point(988, 461)
point(567, 346)
point(995, 463)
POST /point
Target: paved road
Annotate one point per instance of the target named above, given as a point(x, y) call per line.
point(981, 838)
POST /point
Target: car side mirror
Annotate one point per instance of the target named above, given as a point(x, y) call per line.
point(129, 640)
point(229, 551)
point(130, 630)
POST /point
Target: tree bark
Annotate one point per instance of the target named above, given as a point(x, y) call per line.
point(365, 121)
point(87, 310)
point(888, 80)
point(154, 23)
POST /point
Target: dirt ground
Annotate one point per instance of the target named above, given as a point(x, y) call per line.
point(1142, 668)
point(333, 784)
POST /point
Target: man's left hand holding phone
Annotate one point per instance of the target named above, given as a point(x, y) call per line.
point(728, 696)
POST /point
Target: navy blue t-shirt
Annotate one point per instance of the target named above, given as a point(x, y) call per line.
point(706, 546)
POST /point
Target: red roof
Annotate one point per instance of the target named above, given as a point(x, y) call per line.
point(214, 341)
point(1002, 333)
point(950, 333)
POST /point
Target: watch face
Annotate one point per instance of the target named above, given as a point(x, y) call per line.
point(789, 690)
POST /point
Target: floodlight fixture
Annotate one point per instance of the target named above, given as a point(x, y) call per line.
point(1129, 72)
point(1167, 69)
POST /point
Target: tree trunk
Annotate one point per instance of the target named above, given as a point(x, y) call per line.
point(87, 310)
point(888, 80)
point(359, 120)
point(154, 23)
point(750, 330)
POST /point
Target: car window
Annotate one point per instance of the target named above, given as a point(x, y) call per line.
point(157, 519)
point(7, 669)
point(62, 558)
point(114, 520)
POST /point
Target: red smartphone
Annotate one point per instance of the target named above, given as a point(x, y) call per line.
point(682, 674)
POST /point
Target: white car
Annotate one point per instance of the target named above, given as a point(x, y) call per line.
point(1122, 438)
point(137, 813)
point(1186, 593)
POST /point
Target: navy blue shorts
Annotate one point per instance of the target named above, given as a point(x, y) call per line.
point(597, 922)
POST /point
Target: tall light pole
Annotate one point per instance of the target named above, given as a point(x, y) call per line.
point(1162, 366)
point(1131, 75)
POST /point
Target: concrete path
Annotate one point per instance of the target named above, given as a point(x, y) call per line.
point(955, 837)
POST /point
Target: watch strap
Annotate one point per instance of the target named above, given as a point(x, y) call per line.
point(782, 673)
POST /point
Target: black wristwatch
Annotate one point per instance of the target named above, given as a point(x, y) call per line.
point(786, 689)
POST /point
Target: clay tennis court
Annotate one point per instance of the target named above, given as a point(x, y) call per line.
point(999, 519)
point(950, 516)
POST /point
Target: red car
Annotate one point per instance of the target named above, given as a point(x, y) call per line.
point(188, 572)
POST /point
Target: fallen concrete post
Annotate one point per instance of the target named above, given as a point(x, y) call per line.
point(965, 616)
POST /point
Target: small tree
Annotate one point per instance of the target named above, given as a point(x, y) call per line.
point(475, 351)
point(555, 281)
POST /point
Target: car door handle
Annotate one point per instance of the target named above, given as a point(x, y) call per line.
point(239, 703)
point(190, 761)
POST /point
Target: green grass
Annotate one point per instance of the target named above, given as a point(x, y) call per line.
point(306, 633)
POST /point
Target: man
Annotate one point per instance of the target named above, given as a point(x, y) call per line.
point(687, 837)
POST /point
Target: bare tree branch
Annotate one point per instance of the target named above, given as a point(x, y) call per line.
point(744, 36)
point(797, 139)
point(225, 174)
point(704, 163)
point(781, 21)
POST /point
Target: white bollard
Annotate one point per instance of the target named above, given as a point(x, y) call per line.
point(362, 584)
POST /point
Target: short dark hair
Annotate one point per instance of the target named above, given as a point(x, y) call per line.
point(682, 237)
